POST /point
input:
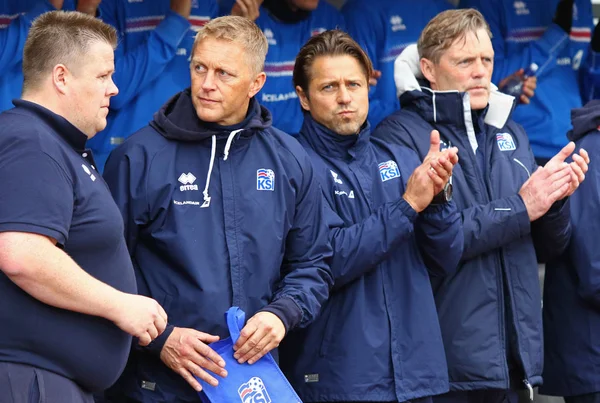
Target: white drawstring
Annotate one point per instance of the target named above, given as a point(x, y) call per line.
point(228, 144)
point(213, 151)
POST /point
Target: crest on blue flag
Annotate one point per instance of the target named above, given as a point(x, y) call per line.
point(254, 391)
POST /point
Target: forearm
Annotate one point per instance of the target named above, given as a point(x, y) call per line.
point(49, 275)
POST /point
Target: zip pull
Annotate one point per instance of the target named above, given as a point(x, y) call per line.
point(529, 388)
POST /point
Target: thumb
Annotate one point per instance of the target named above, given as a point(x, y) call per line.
point(434, 142)
point(563, 154)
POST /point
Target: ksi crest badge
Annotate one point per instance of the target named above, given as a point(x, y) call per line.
point(254, 391)
point(265, 179)
point(388, 170)
point(505, 142)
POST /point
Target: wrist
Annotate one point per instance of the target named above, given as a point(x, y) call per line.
point(411, 203)
point(115, 303)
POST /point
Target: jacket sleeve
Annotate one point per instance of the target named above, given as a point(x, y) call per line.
point(440, 237)
point(584, 249)
point(125, 175)
point(359, 248)
point(493, 225)
point(485, 227)
point(138, 67)
point(12, 38)
point(542, 51)
point(305, 274)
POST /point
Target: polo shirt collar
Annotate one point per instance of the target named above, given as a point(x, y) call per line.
point(61, 126)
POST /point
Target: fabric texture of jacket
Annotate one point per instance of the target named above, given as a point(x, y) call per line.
point(152, 63)
point(217, 217)
point(572, 283)
point(523, 33)
point(490, 309)
point(381, 313)
point(384, 32)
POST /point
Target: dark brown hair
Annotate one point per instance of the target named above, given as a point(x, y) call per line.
point(328, 43)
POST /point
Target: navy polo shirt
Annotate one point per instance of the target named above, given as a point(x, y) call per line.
point(49, 186)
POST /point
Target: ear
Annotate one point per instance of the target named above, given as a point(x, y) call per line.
point(60, 78)
point(303, 98)
point(257, 84)
point(428, 70)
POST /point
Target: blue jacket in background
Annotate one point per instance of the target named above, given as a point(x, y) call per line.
point(378, 338)
point(152, 63)
point(572, 284)
point(589, 76)
point(254, 237)
point(523, 34)
point(285, 40)
point(384, 31)
point(490, 309)
point(15, 19)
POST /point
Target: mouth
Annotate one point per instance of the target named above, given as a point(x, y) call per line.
point(207, 100)
point(346, 113)
point(478, 88)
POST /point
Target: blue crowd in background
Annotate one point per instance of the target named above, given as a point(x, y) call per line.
point(152, 73)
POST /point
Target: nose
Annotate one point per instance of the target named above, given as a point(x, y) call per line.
point(208, 83)
point(112, 88)
point(478, 69)
point(344, 97)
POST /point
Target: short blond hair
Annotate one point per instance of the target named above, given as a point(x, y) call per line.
point(240, 30)
point(446, 28)
point(61, 37)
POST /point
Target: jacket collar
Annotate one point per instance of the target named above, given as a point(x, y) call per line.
point(328, 143)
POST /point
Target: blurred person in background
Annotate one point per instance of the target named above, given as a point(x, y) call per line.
point(15, 20)
point(287, 24)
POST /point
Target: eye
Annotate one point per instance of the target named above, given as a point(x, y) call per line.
point(354, 85)
point(327, 87)
point(198, 68)
point(223, 73)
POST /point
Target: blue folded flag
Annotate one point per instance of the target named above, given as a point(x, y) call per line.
point(261, 382)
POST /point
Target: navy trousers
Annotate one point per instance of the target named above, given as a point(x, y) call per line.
point(26, 384)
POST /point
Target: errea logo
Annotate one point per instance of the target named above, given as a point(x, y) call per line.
point(336, 178)
point(521, 8)
point(397, 23)
point(187, 181)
